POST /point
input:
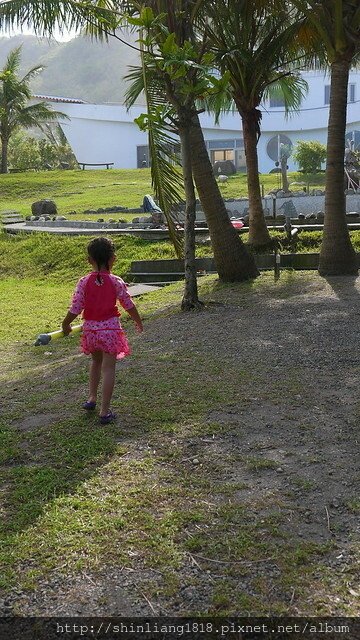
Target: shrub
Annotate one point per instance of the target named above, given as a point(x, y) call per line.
point(309, 155)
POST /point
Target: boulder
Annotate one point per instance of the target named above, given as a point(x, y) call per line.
point(43, 207)
point(142, 219)
point(224, 167)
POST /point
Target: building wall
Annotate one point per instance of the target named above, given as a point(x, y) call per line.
point(100, 133)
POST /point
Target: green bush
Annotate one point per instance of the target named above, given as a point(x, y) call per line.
point(24, 152)
point(309, 155)
point(28, 152)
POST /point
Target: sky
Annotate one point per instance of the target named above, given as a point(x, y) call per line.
point(68, 35)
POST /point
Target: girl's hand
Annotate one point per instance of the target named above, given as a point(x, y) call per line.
point(66, 329)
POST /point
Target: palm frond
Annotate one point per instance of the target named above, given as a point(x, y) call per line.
point(291, 88)
point(35, 115)
point(45, 17)
point(165, 178)
point(136, 88)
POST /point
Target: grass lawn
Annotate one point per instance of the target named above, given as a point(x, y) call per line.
point(80, 190)
point(187, 483)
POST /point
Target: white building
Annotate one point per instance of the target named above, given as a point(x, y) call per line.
point(106, 133)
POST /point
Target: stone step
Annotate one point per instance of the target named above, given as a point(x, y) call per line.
point(11, 219)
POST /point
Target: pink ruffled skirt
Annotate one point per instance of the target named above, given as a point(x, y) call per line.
point(107, 336)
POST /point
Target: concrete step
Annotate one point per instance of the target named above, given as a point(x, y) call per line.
point(11, 220)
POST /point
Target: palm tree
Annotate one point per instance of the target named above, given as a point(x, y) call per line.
point(15, 112)
point(101, 19)
point(180, 64)
point(254, 40)
point(337, 25)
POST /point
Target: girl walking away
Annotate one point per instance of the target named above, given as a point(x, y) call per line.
point(96, 295)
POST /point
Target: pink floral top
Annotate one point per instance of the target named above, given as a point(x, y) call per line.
point(78, 303)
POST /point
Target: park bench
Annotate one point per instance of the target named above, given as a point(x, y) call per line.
point(95, 164)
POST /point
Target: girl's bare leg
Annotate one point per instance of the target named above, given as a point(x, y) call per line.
point(108, 372)
point(95, 374)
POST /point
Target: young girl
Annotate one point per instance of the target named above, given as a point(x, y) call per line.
point(102, 335)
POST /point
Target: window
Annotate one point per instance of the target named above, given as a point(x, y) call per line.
point(221, 156)
point(351, 93)
point(224, 144)
point(327, 94)
point(276, 102)
point(352, 139)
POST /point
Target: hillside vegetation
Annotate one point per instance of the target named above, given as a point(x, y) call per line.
point(81, 68)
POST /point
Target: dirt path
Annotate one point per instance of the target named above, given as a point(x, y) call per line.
point(259, 462)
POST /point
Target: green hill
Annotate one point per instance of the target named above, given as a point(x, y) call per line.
point(79, 68)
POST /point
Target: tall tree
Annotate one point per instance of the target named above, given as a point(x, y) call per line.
point(101, 17)
point(233, 261)
point(15, 110)
point(336, 23)
point(175, 35)
point(255, 40)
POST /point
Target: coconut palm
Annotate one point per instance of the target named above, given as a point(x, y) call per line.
point(337, 24)
point(101, 18)
point(255, 41)
point(182, 66)
point(15, 110)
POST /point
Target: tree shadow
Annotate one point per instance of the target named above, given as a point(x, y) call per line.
point(345, 287)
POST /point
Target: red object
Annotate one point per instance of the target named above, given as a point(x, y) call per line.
point(238, 224)
point(100, 297)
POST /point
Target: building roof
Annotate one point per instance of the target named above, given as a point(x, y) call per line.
point(59, 99)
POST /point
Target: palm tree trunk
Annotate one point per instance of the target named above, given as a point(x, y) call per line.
point(337, 255)
point(258, 231)
point(4, 155)
point(233, 261)
point(190, 299)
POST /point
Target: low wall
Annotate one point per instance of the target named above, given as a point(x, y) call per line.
point(302, 202)
point(298, 261)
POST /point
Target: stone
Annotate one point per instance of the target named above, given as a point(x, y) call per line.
point(222, 178)
point(44, 207)
point(224, 168)
point(145, 219)
point(60, 218)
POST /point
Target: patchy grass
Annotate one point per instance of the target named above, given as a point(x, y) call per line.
point(175, 483)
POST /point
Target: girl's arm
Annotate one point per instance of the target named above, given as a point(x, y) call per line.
point(67, 322)
point(126, 302)
point(134, 315)
point(76, 307)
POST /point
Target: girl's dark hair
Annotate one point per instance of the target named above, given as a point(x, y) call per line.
point(101, 250)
